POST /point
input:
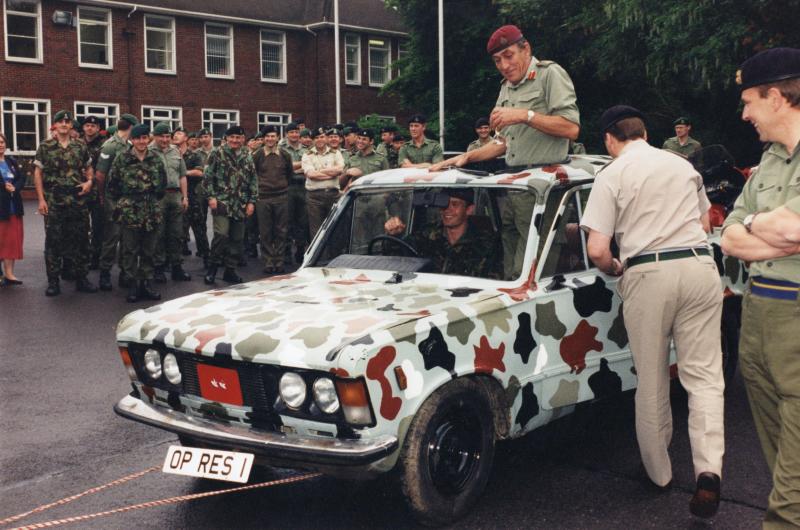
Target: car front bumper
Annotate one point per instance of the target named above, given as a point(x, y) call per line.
point(289, 450)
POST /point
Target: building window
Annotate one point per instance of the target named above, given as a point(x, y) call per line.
point(107, 113)
point(219, 51)
point(352, 59)
point(94, 38)
point(23, 29)
point(273, 55)
point(278, 119)
point(159, 44)
point(380, 61)
point(152, 115)
point(25, 124)
point(402, 52)
point(218, 121)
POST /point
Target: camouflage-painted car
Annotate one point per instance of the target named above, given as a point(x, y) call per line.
point(366, 360)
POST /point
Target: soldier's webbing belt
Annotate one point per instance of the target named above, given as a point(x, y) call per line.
point(777, 289)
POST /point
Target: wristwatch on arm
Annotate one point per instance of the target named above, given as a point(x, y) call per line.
point(531, 114)
point(748, 222)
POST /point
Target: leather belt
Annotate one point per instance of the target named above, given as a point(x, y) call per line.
point(778, 289)
point(666, 255)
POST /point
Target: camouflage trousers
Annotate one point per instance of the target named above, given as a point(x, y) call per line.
point(226, 247)
point(251, 232)
point(516, 210)
point(137, 247)
point(195, 218)
point(108, 253)
point(66, 238)
point(298, 215)
point(769, 355)
point(97, 215)
point(170, 231)
point(319, 204)
point(273, 227)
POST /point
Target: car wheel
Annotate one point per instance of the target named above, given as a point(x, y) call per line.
point(730, 342)
point(447, 456)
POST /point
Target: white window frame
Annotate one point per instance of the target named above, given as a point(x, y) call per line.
point(41, 135)
point(233, 118)
point(278, 119)
point(165, 71)
point(230, 49)
point(110, 114)
point(357, 45)
point(39, 59)
point(261, 55)
point(388, 49)
point(109, 39)
point(174, 119)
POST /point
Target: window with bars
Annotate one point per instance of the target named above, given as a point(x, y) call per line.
point(25, 123)
point(152, 115)
point(106, 113)
point(352, 58)
point(219, 50)
point(159, 43)
point(380, 61)
point(94, 38)
point(278, 119)
point(218, 121)
point(23, 29)
point(273, 55)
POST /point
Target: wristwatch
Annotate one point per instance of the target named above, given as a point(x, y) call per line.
point(748, 222)
point(531, 114)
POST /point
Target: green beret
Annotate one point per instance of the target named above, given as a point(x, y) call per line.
point(130, 118)
point(62, 115)
point(112, 130)
point(305, 132)
point(203, 131)
point(161, 128)
point(140, 130)
point(192, 134)
point(683, 120)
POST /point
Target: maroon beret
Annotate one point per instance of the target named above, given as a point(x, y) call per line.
point(502, 38)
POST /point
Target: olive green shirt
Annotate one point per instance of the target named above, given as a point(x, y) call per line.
point(369, 163)
point(173, 161)
point(113, 146)
point(429, 152)
point(477, 144)
point(546, 89)
point(775, 183)
point(691, 146)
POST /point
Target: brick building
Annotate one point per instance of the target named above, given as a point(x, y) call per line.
point(193, 62)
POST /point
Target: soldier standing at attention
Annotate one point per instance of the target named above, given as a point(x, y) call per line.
point(140, 179)
point(231, 185)
point(682, 143)
point(94, 143)
point(274, 168)
point(193, 217)
point(111, 148)
point(484, 134)
point(174, 203)
point(63, 178)
point(321, 167)
point(654, 204)
point(298, 216)
point(420, 151)
point(764, 229)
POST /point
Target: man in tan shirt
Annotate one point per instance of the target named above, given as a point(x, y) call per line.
point(322, 167)
point(654, 204)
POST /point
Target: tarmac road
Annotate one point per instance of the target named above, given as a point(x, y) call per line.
point(60, 375)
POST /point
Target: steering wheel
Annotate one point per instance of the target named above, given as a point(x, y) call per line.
point(386, 237)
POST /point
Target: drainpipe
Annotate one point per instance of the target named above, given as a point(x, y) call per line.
point(128, 34)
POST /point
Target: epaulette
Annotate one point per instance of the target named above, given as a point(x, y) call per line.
point(544, 64)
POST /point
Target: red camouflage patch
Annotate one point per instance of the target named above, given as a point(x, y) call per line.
point(488, 358)
point(376, 370)
point(573, 348)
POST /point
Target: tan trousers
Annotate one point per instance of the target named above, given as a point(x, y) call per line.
point(681, 299)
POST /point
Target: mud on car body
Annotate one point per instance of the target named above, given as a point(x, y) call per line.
point(365, 360)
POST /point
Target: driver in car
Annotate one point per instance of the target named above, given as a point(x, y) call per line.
point(456, 247)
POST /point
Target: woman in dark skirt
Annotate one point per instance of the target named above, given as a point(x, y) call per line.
point(11, 182)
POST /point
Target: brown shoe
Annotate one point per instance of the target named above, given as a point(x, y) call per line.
point(706, 497)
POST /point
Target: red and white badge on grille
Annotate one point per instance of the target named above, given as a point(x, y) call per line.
point(219, 384)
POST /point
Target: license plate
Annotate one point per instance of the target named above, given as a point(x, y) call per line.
point(208, 463)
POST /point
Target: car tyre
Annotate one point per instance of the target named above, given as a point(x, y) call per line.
point(448, 452)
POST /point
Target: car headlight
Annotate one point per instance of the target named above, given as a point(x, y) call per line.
point(152, 363)
point(325, 395)
point(171, 369)
point(292, 389)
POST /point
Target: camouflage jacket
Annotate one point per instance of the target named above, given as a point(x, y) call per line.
point(63, 171)
point(137, 186)
point(470, 256)
point(94, 147)
point(231, 179)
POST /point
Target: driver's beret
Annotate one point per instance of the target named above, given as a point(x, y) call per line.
point(769, 66)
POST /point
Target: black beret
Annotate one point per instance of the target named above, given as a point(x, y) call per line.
point(192, 134)
point(482, 121)
point(140, 130)
point(179, 128)
point(353, 125)
point(299, 120)
point(292, 127)
point(418, 118)
point(234, 129)
point(335, 132)
point(267, 129)
point(769, 66)
point(319, 131)
point(339, 126)
point(465, 194)
point(683, 120)
point(366, 132)
point(203, 131)
point(91, 119)
point(617, 113)
point(398, 138)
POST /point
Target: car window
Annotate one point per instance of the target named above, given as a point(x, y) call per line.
point(567, 251)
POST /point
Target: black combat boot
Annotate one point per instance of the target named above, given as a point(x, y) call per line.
point(83, 285)
point(185, 251)
point(147, 292)
point(125, 280)
point(180, 275)
point(95, 263)
point(159, 276)
point(211, 274)
point(53, 288)
point(133, 293)
point(230, 276)
point(105, 281)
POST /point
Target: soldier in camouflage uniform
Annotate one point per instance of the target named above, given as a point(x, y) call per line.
point(111, 148)
point(63, 178)
point(94, 143)
point(232, 188)
point(139, 182)
point(195, 216)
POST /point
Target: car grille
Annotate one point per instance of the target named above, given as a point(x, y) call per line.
point(259, 383)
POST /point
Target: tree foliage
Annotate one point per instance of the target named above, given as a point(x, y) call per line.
point(668, 58)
